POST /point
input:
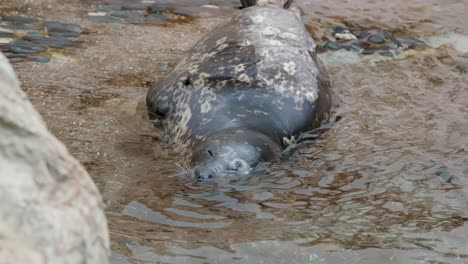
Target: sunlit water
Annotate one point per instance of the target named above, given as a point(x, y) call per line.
point(387, 183)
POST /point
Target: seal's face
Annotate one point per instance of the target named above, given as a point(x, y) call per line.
point(234, 152)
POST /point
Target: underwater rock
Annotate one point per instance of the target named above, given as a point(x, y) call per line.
point(59, 29)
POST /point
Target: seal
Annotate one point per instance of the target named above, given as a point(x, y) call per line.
point(241, 90)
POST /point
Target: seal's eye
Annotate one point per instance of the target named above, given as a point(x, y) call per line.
point(238, 164)
point(211, 153)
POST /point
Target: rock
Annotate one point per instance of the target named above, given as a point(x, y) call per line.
point(105, 19)
point(19, 19)
point(23, 47)
point(20, 27)
point(333, 45)
point(361, 33)
point(43, 59)
point(410, 43)
point(50, 209)
point(7, 35)
point(462, 66)
point(59, 29)
point(51, 42)
point(377, 38)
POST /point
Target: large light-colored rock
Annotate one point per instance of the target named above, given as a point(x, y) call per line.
point(50, 209)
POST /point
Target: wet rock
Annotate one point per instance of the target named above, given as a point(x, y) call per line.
point(24, 47)
point(14, 55)
point(377, 38)
point(20, 27)
point(462, 66)
point(444, 174)
point(410, 43)
point(42, 59)
point(333, 45)
point(51, 42)
point(19, 19)
point(59, 29)
point(135, 6)
point(16, 59)
point(156, 9)
point(105, 19)
point(109, 8)
point(127, 14)
point(361, 34)
point(390, 54)
point(340, 29)
point(7, 35)
point(156, 18)
point(50, 209)
point(352, 48)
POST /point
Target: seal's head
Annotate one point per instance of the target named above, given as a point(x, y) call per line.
point(232, 152)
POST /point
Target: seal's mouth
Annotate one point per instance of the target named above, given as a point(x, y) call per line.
point(234, 168)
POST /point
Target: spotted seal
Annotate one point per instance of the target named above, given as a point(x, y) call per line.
point(241, 90)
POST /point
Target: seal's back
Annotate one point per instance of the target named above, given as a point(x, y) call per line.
point(258, 70)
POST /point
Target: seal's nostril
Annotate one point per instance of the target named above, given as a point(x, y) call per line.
point(197, 174)
point(210, 176)
point(210, 152)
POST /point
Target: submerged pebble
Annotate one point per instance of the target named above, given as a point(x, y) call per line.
point(105, 19)
point(20, 27)
point(19, 19)
point(24, 47)
point(59, 29)
point(462, 66)
point(43, 59)
point(51, 42)
point(377, 38)
point(333, 45)
point(7, 35)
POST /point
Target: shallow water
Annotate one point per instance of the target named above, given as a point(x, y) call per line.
point(387, 183)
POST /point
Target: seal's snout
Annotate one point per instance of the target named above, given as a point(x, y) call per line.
point(203, 174)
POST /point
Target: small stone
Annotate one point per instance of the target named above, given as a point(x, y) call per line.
point(42, 59)
point(7, 35)
point(20, 27)
point(444, 174)
point(333, 45)
point(58, 29)
point(19, 19)
point(361, 33)
point(377, 38)
point(352, 48)
point(51, 42)
point(156, 18)
point(109, 8)
point(410, 43)
point(462, 67)
point(6, 40)
point(156, 9)
point(340, 29)
point(16, 60)
point(345, 35)
point(127, 14)
point(106, 19)
point(465, 169)
point(24, 47)
point(386, 54)
point(135, 7)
